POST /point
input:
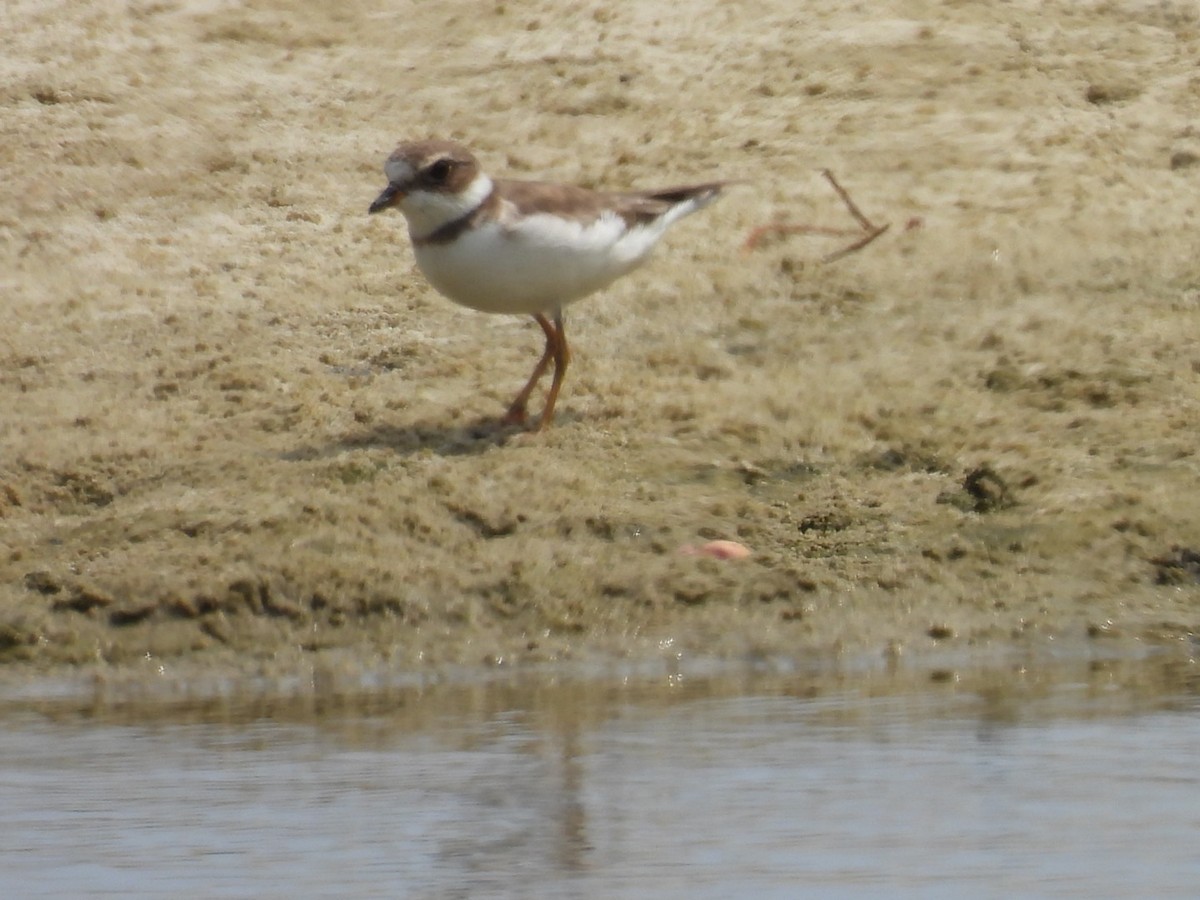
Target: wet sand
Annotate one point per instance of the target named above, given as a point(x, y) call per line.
point(239, 433)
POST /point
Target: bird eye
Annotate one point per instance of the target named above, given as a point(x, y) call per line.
point(439, 171)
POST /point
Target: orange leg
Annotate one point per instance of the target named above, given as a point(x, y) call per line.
point(517, 411)
point(562, 357)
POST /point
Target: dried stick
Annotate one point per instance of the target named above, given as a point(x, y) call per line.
point(866, 232)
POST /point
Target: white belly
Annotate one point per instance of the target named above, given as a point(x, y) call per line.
point(540, 264)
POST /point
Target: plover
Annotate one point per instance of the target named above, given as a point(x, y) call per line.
point(524, 247)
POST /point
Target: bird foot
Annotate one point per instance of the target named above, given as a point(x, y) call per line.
point(517, 415)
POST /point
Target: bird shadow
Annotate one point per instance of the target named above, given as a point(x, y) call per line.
point(459, 439)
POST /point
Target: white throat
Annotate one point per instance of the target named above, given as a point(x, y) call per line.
point(427, 211)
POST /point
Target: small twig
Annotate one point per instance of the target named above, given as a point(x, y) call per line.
point(856, 246)
point(866, 223)
point(756, 234)
point(867, 231)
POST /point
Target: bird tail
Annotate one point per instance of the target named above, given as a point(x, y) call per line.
point(697, 196)
point(683, 201)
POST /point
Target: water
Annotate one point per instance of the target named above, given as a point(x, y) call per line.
point(1080, 781)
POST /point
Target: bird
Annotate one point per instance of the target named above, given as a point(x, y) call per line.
point(524, 247)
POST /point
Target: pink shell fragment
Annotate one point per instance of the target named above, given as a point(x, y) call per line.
point(718, 550)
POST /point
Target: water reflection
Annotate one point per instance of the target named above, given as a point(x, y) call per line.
point(1066, 780)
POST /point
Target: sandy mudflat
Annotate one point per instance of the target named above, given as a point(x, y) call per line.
point(238, 430)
